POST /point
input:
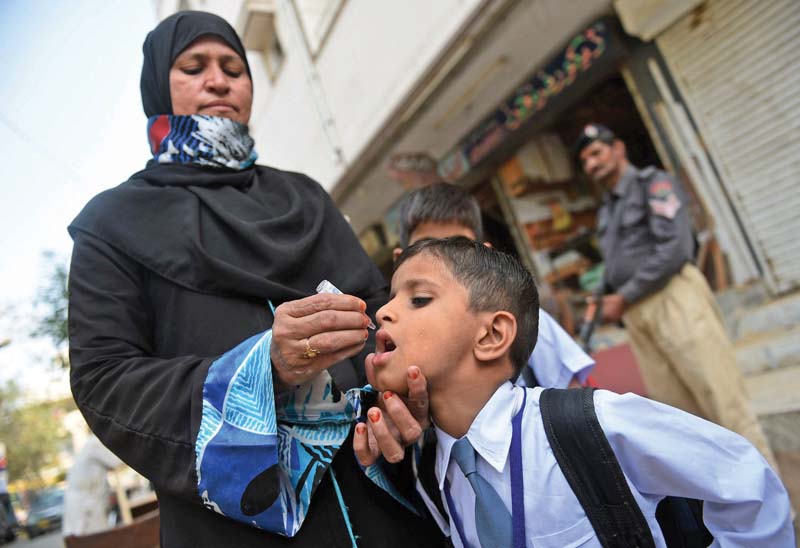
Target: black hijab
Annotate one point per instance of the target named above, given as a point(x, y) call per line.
point(257, 233)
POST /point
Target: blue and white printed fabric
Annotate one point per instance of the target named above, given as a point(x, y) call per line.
point(260, 464)
point(202, 140)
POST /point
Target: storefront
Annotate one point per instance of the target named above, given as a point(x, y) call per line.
point(672, 109)
point(548, 208)
point(519, 164)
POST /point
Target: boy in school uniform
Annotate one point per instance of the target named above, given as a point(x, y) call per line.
point(466, 315)
point(442, 210)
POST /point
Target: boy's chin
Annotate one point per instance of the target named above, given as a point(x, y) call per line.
point(392, 383)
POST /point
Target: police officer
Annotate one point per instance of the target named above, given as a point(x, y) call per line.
point(685, 356)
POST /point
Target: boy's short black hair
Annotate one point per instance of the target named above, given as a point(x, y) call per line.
point(439, 203)
point(495, 281)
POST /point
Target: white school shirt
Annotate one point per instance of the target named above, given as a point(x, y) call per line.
point(557, 358)
point(661, 450)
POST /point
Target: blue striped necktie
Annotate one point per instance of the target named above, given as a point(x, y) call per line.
point(492, 519)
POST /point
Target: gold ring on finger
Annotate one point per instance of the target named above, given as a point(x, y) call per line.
point(310, 352)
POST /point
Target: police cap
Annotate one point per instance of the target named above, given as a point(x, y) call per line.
point(591, 133)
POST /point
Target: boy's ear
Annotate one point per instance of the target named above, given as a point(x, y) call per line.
point(396, 253)
point(496, 336)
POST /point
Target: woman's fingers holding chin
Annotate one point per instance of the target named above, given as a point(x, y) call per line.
point(388, 445)
point(364, 450)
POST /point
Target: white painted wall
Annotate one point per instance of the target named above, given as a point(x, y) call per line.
point(374, 55)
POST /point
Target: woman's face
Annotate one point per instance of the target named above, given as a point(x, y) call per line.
point(210, 78)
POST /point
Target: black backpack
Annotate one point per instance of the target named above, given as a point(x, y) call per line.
point(587, 461)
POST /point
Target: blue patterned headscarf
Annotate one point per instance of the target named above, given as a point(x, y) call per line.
point(194, 139)
point(199, 139)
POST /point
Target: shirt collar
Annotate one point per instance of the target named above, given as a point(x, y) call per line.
point(625, 181)
point(489, 433)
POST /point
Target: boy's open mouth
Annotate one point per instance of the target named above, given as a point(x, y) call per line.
point(383, 342)
point(384, 345)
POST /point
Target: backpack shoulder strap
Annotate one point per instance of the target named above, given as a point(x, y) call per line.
point(591, 468)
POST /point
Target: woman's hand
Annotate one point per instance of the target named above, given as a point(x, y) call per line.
point(311, 334)
point(396, 423)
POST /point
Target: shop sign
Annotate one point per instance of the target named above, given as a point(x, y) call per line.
point(413, 170)
point(580, 54)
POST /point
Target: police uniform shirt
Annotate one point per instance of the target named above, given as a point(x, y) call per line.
point(556, 358)
point(661, 450)
point(653, 237)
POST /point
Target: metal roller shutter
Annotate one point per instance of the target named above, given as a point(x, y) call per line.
point(737, 64)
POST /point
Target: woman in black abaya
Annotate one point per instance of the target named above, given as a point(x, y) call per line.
point(200, 353)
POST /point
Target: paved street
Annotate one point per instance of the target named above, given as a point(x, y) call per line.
point(51, 540)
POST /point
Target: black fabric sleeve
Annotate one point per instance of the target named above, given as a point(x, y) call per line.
point(145, 409)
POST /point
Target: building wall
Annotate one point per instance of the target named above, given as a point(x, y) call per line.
point(735, 67)
point(375, 53)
